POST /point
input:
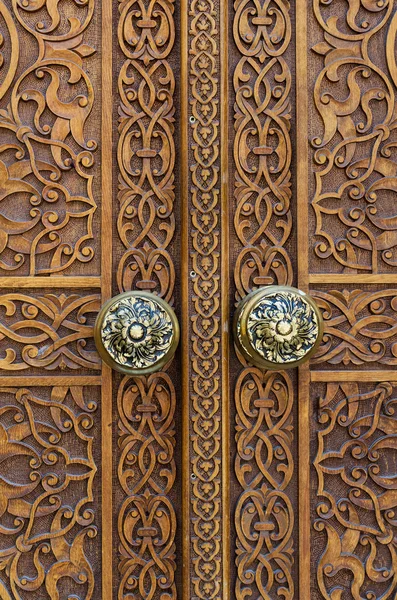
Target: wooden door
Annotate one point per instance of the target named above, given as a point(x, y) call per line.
point(197, 150)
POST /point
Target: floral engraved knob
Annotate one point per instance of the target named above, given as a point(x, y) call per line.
point(136, 333)
point(277, 327)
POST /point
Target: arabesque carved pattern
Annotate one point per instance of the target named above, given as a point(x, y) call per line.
point(262, 144)
point(264, 468)
point(146, 151)
point(146, 226)
point(357, 491)
point(359, 327)
point(356, 178)
point(46, 159)
point(205, 291)
point(263, 224)
point(49, 331)
point(47, 472)
point(146, 471)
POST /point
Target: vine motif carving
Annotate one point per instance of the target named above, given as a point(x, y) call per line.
point(146, 226)
point(263, 224)
point(359, 327)
point(46, 490)
point(356, 491)
point(146, 150)
point(45, 158)
point(264, 468)
point(205, 231)
point(356, 153)
point(146, 471)
point(49, 331)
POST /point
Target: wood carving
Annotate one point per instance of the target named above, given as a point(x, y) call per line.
point(146, 151)
point(146, 471)
point(46, 160)
point(146, 226)
point(262, 145)
point(264, 464)
point(49, 331)
point(47, 472)
point(354, 95)
point(264, 468)
point(205, 292)
point(359, 327)
point(356, 490)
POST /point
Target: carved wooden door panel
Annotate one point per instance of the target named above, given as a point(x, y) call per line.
point(197, 151)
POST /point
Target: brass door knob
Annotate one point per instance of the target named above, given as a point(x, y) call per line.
point(136, 333)
point(277, 327)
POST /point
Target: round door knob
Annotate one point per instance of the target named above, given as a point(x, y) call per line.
point(277, 327)
point(136, 333)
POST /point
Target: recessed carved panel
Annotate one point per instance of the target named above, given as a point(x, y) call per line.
point(360, 327)
point(49, 547)
point(47, 147)
point(352, 78)
point(354, 491)
point(49, 331)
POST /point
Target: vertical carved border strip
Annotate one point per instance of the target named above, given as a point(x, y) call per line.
point(264, 465)
point(205, 281)
point(145, 225)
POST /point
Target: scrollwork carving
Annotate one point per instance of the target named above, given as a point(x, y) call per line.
point(146, 226)
point(263, 224)
point(49, 331)
point(356, 491)
point(47, 472)
point(264, 467)
point(146, 471)
point(46, 159)
point(355, 153)
point(359, 327)
point(146, 150)
point(262, 144)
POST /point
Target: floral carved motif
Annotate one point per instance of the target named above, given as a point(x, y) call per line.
point(355, 150)
point(47, 480)
point(356, 491)
point(137, 332)
point(47, 204)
